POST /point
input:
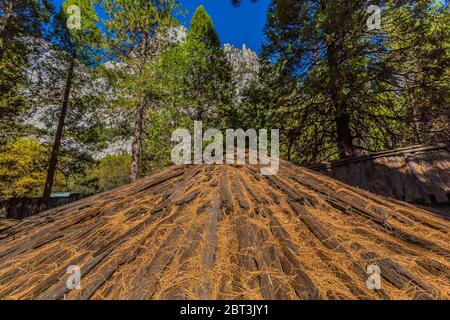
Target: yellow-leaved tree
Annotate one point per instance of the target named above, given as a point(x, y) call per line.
point(22, 168)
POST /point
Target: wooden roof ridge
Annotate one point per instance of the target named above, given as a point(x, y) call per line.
point(445, 145)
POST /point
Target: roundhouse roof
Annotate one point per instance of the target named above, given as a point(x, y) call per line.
point(227, 232)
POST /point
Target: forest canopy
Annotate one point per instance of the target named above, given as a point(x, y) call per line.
point(89, 102)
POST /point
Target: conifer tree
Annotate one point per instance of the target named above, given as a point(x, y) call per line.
point(350, 95)
point(197, 73)
point(135, 30)
point(202, 28)
point(76, 45)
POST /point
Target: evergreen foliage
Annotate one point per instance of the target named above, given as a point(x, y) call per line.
point(334, 88)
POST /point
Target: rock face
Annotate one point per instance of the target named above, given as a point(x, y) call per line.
point(226, 232)
point(245, 68)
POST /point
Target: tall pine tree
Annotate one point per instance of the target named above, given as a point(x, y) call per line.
point(77, 45)
point(349, 94)
point(135, 31)
point(197, 73)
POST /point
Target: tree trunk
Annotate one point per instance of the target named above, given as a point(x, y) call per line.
point(416, 118)
point(58, 136)
point(344, 137)
point(137, 141)
point(316, 57)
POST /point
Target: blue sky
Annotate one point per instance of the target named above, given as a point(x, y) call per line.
point(237, 26)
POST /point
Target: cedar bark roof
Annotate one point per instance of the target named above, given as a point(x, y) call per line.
point(226, 232)
point(6, 223)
